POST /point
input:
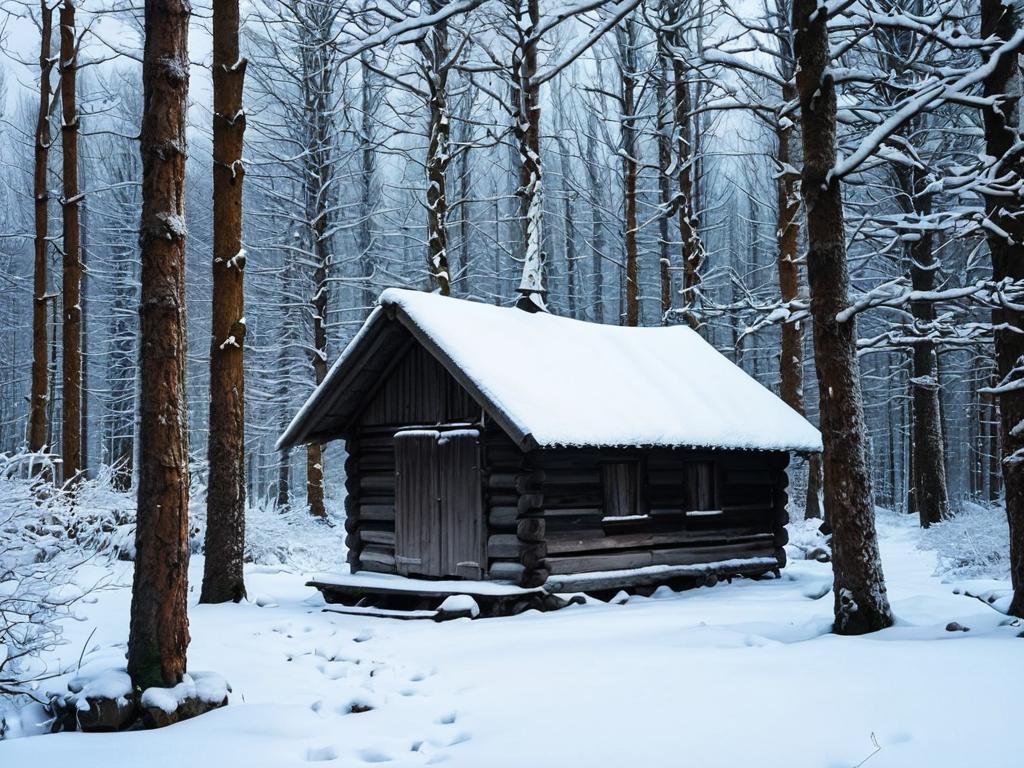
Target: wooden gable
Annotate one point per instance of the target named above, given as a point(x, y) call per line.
point(417, 390)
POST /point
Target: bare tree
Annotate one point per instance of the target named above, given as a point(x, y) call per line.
point(861, 604)
point(1003, 87)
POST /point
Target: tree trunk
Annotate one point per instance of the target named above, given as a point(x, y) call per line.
point(665, 198)
point(691, 246)
point(434, 49)
point(159, 637)
point(861, 604)
point(596, 223)
point(791, 356)
point(368, 159)
point(626, 35)
point(71, 406)
point(314, 451)
point(85, 340)
point(527, 132)
point(1002, 126)
point(225, 497)
point(930, 497)
point(39, 396)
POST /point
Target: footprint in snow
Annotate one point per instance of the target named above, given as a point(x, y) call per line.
point(321, 754)
point(446, 719)
point(374, 756)
point(363, 636)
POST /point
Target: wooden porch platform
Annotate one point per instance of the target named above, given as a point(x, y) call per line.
point(401, 597)
point(409, 598)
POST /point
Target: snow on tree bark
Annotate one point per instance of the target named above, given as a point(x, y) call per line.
point(158, 635)
point(225, 498)
point(1005, 237)
point(691, 246)
point(434, 49)
point(861, 604)
point(526, 92)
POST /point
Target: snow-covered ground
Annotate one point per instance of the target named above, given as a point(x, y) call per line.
point(739, 674)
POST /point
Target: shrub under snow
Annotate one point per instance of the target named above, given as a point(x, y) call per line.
point(973, 544)
point(45, 534)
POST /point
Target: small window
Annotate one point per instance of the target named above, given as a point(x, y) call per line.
point(700, 488)
point(621, 484)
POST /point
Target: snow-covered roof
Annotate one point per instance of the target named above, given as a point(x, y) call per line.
point(553, 381)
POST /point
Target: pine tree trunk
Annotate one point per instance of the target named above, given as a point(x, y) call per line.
point(861, 604)
point(1002, 127)
point(791, 356)
point(71, 406)
point(627, 62)
point(39, 398)
point(225, 497)
point(85, 340)
point(159, 636)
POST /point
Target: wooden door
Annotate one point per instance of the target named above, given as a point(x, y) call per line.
point(438, 504)
point(461, 503)
point(417, 548)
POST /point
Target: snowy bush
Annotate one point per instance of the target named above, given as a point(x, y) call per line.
point(39, 553)
point(973, 544)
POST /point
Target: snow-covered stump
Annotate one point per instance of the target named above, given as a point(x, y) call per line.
point(196, 694)
point(105, 701)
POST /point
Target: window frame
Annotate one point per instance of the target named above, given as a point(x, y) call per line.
point(637, 494)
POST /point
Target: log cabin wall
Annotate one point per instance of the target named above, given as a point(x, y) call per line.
point(568, 505)
point(417, 391)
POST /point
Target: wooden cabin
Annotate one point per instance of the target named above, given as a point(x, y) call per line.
point(487, 442)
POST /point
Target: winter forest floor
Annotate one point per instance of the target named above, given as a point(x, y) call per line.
point(739, 674)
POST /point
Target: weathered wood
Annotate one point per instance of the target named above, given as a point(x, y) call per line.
point(604, 562)
point(502, 517)
point(377, 537)
point(380, 555)
point(694, 555)
point(502, 570)
point(377, 482)
point(750, 477)
point(530, 482)
point(532, 554)
point(417, 546)
point(593, 540)
point(461, 519)
point(531, 529)
point(376, 512)
point(529, 502)
point(505, 545)
point(375, 567)
point(502, 480)
point(583, 582)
